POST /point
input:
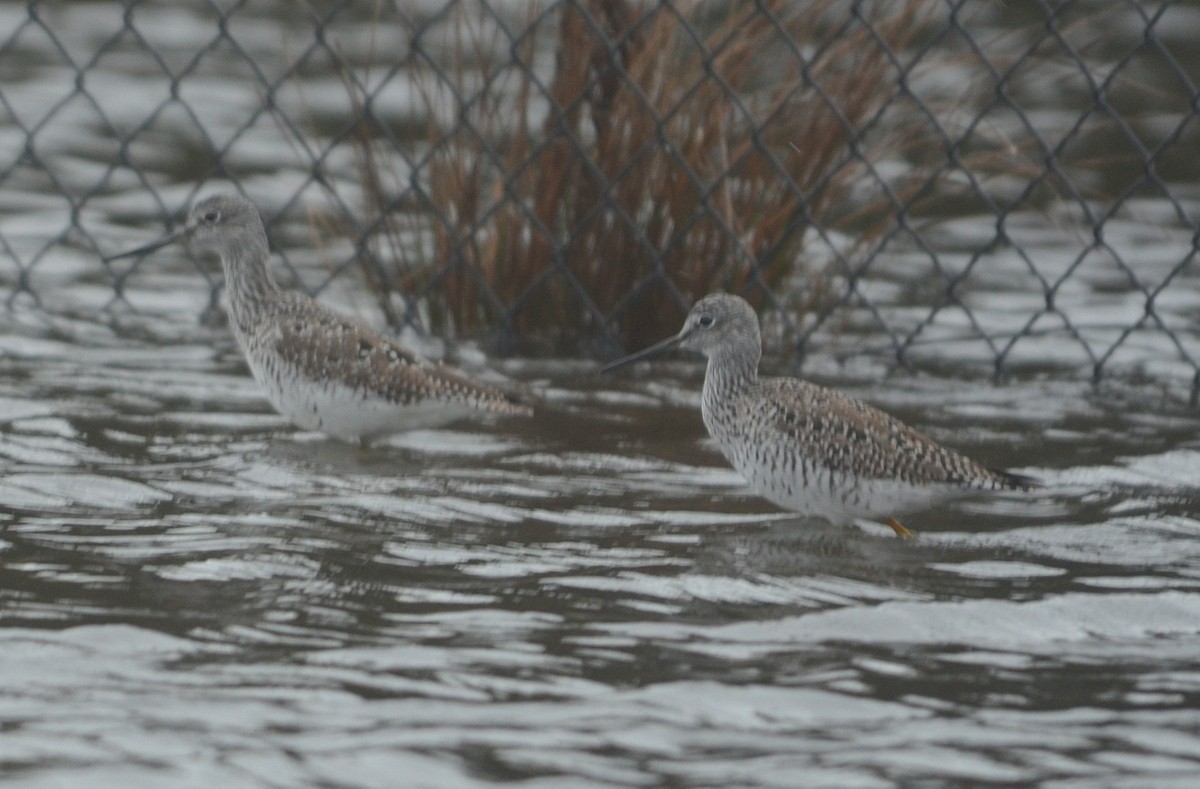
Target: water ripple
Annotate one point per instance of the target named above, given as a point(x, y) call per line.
point(194, 593)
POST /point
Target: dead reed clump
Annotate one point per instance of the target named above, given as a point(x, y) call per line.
point(676, 149)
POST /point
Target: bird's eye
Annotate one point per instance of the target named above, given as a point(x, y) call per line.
point(212, 217)
point(705, 320)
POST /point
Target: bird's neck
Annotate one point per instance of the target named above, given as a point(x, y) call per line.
point(249, 282)
point(729, 373)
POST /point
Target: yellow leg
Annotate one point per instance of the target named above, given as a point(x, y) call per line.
point(899, 528)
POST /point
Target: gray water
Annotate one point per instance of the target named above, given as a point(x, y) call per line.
point(193, 593)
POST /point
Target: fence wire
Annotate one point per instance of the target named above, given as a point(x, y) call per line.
point(1019, 178)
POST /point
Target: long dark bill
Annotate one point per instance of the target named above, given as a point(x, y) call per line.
point(654, 350)
point(151, 247)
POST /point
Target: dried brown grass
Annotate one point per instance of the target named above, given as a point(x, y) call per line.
point(681, 150)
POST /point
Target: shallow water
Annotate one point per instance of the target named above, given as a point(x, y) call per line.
point(193, 593)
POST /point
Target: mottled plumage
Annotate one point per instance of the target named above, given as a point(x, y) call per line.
point(320, 369)
point(807, 448)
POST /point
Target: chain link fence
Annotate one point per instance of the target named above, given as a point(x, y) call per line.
point(1015, 182)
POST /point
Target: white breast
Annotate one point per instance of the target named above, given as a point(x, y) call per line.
point(341, 412)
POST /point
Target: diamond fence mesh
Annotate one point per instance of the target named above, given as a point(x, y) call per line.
point(1015, 182)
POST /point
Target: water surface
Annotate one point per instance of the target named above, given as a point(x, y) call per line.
point(192, 592)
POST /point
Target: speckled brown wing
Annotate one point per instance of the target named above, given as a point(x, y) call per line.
point(324, 345)
point(851, 437)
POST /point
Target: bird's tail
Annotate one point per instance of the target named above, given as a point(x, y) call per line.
point(1011, 481)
